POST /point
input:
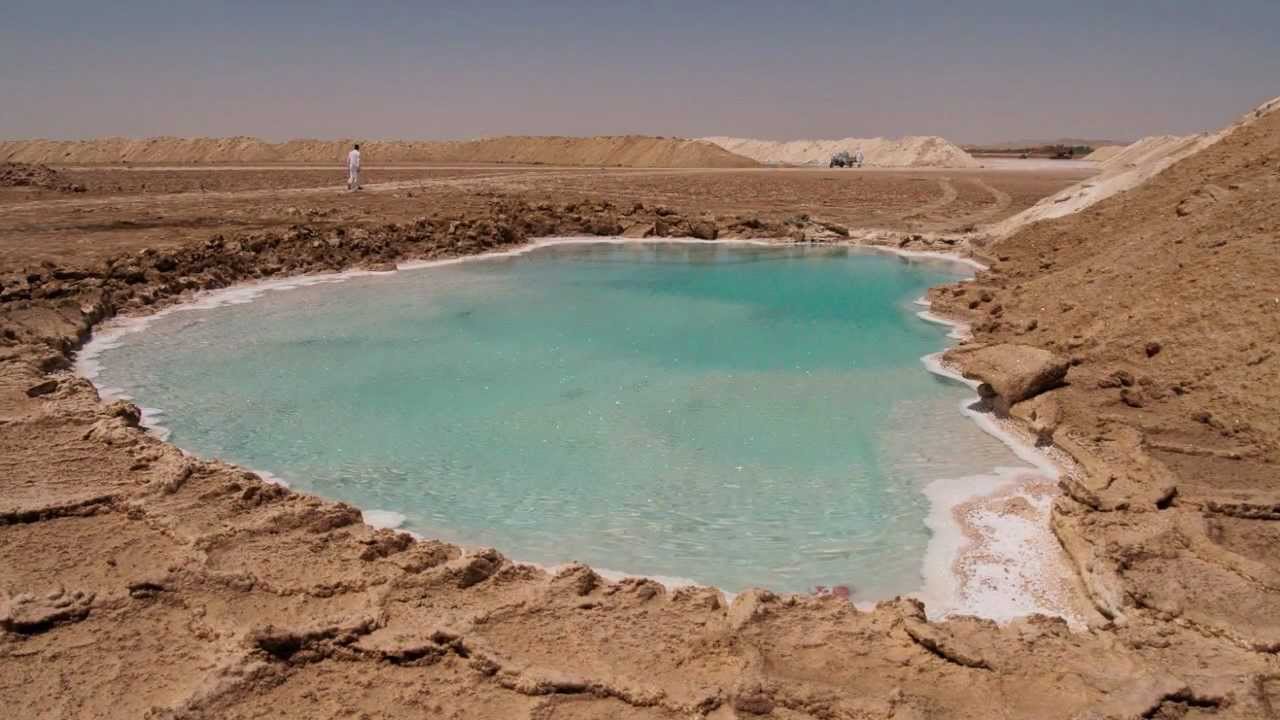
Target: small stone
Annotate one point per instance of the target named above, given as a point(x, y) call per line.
point(127, 411)
point(1119, 378)
point(754, 701)
point(1013, 372)
point(1132, 397)
point(703, 230)
point(43, 388)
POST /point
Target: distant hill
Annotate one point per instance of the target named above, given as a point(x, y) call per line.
point(612, 151)
point(1012, 145)
point(914, 151)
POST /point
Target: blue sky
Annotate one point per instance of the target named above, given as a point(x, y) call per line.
point(976, 71)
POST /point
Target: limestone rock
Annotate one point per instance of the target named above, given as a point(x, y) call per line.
point(639, 230)
point(129, 413)
point(749, 606)
point(703, 230)
point(28, 614)
point(1012, 373)
point(577, 578)
point(473, 569)
point(1042, 415)
point(940, 641)
point(43, 388)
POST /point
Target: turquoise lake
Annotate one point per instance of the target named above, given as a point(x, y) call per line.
point(732, 414)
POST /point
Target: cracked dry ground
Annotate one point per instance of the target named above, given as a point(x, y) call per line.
point(137, 582)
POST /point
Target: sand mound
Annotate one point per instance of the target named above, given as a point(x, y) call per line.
point(1125, 170)
point(38, 177)
point(1150, 148)
point(629, 151)
point(626, 151)
point(1105, 153)
point(913, 151)
point(1166, 298)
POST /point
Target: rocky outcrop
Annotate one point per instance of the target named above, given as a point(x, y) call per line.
point(35, 177)
point(28, 614)
point(1010, 373)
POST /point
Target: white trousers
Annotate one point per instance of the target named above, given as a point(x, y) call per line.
point(353, 178)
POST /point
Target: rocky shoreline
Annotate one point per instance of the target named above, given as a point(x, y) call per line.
point(175, 587)
point(952, 586)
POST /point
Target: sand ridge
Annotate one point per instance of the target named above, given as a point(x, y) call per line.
point(1149, 149)
point(1127, 169)
point(912, 151)
point(626, 151)
point(1164, 299)
point(1104, 153)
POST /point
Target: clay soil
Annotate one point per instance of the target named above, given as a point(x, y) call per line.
point(136, 581)
point(132, 209)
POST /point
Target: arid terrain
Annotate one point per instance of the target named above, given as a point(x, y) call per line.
point(1137, 335)
point(612, 151)
point(129, 209)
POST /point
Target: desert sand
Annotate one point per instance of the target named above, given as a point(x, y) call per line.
point(1135, 333)
point(1127, 169)
point(626, 151)
point(915, 151)
point(1104, 153)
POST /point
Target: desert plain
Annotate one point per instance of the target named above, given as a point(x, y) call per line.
point(1128, 318)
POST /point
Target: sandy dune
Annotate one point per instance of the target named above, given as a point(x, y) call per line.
point(1127, 169)
point(1152, 148)
point(1104, 153)
point(626, 151)
point(915, 151)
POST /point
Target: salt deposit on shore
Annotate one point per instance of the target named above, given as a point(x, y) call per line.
point(993, 553)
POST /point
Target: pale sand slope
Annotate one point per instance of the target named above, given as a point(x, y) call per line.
point(1104, 153)
point(627, 151)
point(1149, 148)
point(1125, 170)
point(912, 151)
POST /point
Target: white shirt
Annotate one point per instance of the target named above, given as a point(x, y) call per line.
point(353, 160)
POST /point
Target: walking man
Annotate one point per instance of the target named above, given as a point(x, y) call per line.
point(353, 168)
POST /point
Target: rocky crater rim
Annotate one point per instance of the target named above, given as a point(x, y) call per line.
point(1022, 443)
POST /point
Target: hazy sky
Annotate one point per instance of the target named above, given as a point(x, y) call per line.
point(971, 70)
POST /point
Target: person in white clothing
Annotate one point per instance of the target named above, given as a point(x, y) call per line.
point(353, 168)
point(857, 158)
